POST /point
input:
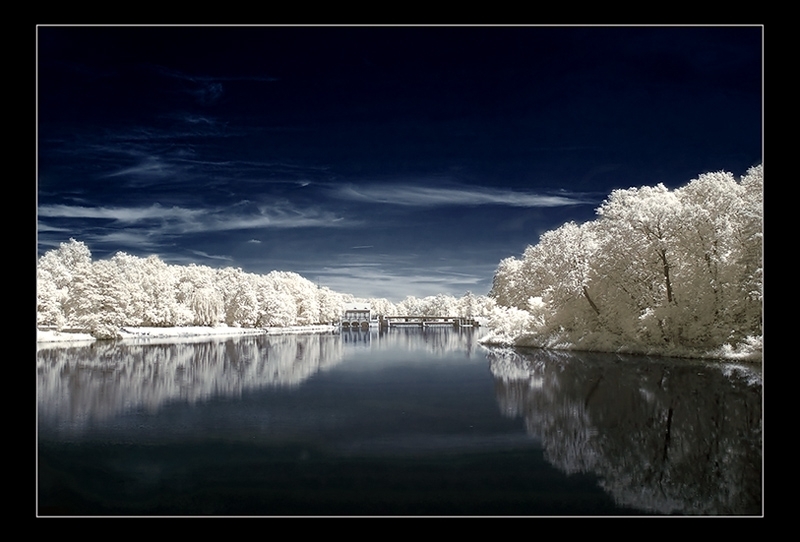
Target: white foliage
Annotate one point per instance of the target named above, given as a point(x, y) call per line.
point(660, 270)
point(102, 296)
point(56, 273)
point(508, 325)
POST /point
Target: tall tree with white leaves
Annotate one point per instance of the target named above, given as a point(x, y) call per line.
point(659, 270)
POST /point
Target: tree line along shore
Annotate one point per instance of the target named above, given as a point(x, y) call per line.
point(662, 271)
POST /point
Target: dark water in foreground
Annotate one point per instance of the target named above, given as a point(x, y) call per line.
point(404, 422)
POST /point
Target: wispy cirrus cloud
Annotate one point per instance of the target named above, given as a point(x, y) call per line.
point(181, 220)
point(150, 167)
point(423, 196)
point(129, 215)
point(211, 256)
point(394, 280)
point(145, 156)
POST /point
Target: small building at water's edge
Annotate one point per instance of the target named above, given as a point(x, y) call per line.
point(359, 316)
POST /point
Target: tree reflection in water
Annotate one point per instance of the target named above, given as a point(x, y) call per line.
point(665, 436)
point(98, 381)
point(102, 379)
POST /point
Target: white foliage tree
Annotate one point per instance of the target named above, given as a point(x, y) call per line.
point(647, 224)
point(709, 267)
point(49, 300)
point(382, 306)
point(159, 284)
point(239, 297)
point(330, 305)
point(558, 270)
point(199, 294)
point(468, 306)
point(659, 268)
point(278, 307)
point(411, 305)
point(748, 248)
point(56, 273)
point(102, 301)
point(304, 293)
point(509, 285)
point(509, 324)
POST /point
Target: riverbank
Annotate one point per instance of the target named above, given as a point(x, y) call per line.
point(749, 351)
point(51, 336)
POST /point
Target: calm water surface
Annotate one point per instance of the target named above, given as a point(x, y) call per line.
point(400, 422)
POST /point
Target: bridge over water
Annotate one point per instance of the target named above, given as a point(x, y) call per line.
point(427, 321)
point(361, 316)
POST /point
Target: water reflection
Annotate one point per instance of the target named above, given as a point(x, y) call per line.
point(96, 381)
point(662, 436)
point(665, 436)
point(436, 340)
point(80, 384)
point(358, 338)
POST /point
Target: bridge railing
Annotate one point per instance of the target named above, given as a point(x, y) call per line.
point(422, 321)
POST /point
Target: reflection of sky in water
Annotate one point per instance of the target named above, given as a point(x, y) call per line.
point(406, 346)
point(664, 436)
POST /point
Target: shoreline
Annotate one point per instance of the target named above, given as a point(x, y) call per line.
point(180, 334)
point(752, 355)
point(127, 332)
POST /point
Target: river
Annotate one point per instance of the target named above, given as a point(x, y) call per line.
point(399, 422)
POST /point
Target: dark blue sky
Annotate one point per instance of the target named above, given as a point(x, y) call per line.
point(379, 161)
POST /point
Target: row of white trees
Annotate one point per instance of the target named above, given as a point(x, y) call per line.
point(102, 296)
point(658, 270)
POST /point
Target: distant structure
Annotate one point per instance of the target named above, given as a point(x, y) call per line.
point(428, 321)
point(359, 316)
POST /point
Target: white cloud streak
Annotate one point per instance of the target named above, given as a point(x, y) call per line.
point(179, 220)
point(395, 279)
point(211, 256)
point(422, 196)
point(129, 215)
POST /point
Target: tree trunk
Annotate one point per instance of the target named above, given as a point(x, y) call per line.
point(663, 254)
point(589, 299)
